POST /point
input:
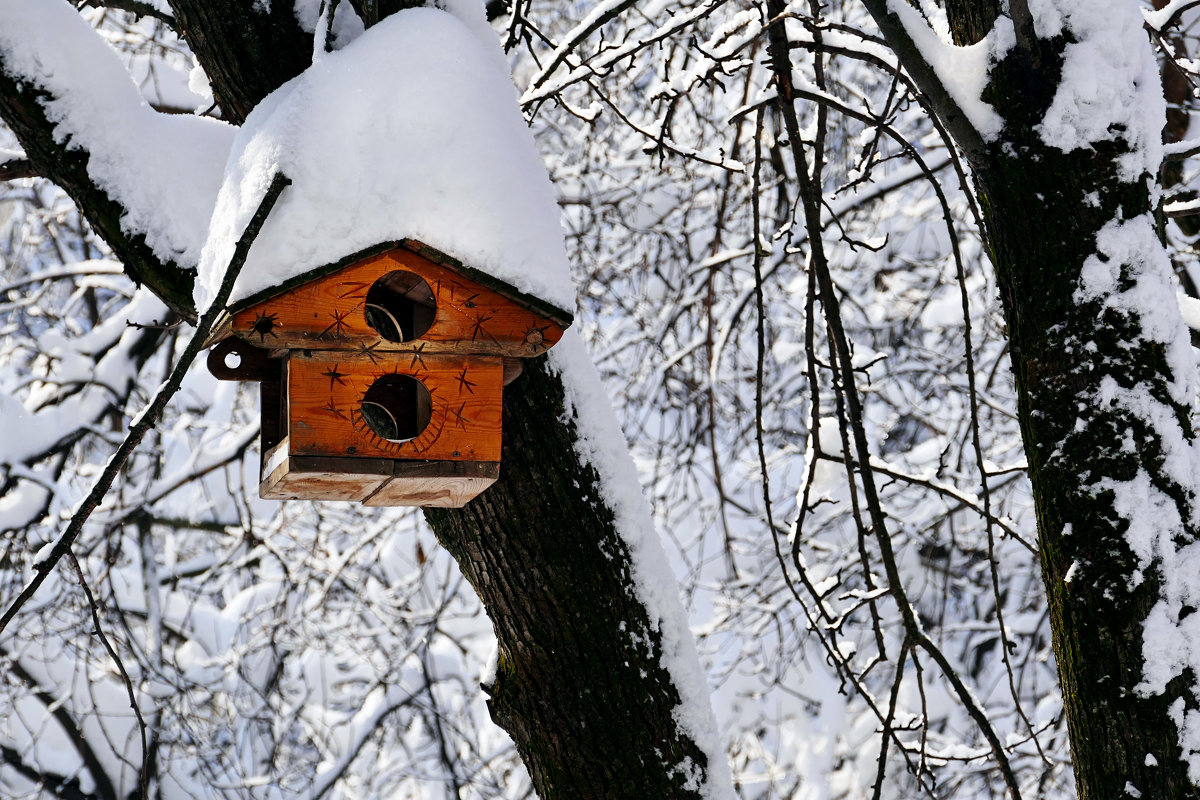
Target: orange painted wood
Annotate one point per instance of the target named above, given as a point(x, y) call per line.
point(325, 393)
point(328, 314)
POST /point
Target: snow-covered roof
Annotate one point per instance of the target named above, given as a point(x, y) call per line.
point(412, 131)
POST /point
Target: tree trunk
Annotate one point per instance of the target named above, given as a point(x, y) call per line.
point(1073, 444)
point(580, 685)
point(1071, 352)
point(579, 682)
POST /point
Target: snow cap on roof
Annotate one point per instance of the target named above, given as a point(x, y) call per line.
point(412, 131)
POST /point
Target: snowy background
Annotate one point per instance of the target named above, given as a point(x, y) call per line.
point(326, 650)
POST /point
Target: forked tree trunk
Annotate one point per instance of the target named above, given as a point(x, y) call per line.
point(580, 685)
point(1042, 210)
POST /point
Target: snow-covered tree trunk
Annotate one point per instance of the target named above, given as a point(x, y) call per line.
point(597, 678)
point(1065, 164)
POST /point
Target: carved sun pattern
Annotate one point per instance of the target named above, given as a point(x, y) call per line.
point(264, 326)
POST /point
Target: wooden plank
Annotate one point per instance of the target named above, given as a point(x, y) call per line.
point(429, 492)
point(559, 316)
point(325, 396)
point(290, 478)
point(329, 314)
point(438, 484)
point(374, 481)
point(271, 413)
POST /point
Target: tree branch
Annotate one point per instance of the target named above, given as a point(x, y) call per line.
point(136, 7)
point(68, 725)
point(18, 168)
point(59, 785)
point(21, 109)
point(925, 77)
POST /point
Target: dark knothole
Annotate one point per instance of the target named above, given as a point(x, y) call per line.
point(400, 306)
point(397, 407)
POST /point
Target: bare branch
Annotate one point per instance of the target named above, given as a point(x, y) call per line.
point(138, 8)
point(147, 419)
point(926, 78)
point(18, 168)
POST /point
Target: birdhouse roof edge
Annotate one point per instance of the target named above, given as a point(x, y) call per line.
point(559, 316)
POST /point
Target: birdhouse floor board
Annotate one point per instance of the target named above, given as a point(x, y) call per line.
point(374, 481)
point(429, 492)
point(286, 482)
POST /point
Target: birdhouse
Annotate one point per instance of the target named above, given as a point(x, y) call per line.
point(382, 376)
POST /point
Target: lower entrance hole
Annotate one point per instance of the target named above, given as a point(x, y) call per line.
point(397, 407)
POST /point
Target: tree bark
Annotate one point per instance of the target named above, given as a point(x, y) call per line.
point(248, 50)
point(1042, 211)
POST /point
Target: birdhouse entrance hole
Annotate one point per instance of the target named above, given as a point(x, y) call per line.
point(397, 407)
point(400, 306)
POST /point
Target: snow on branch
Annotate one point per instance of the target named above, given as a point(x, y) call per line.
point(139, 157)
point(953, 77)
point(963, 71)
point(1169, 15)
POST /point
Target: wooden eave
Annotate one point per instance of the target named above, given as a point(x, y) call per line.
point(323, 310)
point(537, 305)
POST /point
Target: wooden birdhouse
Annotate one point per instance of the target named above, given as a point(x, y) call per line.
point(382, 376)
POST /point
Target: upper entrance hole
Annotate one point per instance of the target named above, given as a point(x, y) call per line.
point(400, 306)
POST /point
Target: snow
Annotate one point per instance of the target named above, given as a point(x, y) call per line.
point(1130, 273)
point(28, 435)
point(1134, 244)
point(137, 156)
point(963, 71)
point(312, 16)
point(1110, 83)
point(1110, 90)
point(1157, 19)
point(410, 131)
point(601, 444)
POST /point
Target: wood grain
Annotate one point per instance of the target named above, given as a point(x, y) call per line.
point(325, 397)
point(435, 484)
point(285, 477)
point(328, 314)
point(374, 481)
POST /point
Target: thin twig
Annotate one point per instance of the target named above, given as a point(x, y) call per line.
point(788, 93)
point(143, 771)
point(146, 420)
